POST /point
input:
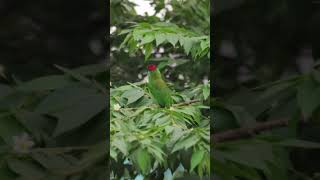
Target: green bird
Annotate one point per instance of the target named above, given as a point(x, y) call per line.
point(158, 88)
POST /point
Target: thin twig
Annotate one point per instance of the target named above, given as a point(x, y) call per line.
point(187, 103)
point(247, 131)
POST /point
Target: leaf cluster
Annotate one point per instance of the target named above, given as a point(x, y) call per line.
point(147, 36)
point(296, 99)
point(63, 116)
point(156, 139)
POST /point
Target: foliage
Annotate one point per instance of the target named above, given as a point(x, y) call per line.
point(47, 33)
point(266, 70)
point(192, 14)
point(147, 36)
point(121, 10)
point(292, 98)
point(53, 127)
point(146, 140)
point(150, 136)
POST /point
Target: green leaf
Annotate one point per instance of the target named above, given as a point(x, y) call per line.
point(160, 38)
point(231, 170)
point(147, 39)
point(132, 95)
point(65, 98)
point(172, 38)
point(206, 92)
point(138, 33)
point(9, 127)
point(92, 69)
point(125, 31)
point(196, 158)
point(58, 164)
point(45, 83)
point(243, 117)
point(121, 145)
point(187, 44)
point(126, 40)
point(132, 45)
point(94, 153)
point(274, 90)
point(203, 45)
point(143, 159)
point(79, 114)
point(156, 151)
point(73, 107)
point(34, 123)
point(26, 168)
point(74, 74)
point(186, 143)
point(308, 97)
point(148, 50)
point(249, 155)
point(113, 154)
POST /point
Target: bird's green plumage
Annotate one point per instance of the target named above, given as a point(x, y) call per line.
point(159, 89)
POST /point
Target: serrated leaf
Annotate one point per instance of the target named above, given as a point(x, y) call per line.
point(172, 38)
point(187, 44)
point(160, 38)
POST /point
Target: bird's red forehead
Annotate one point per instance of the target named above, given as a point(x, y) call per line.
point(152, 67)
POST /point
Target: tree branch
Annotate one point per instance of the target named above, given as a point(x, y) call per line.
point(187, 103)
point(247, 131)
